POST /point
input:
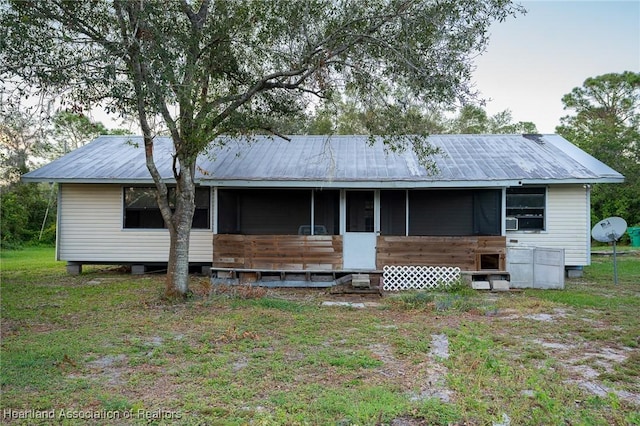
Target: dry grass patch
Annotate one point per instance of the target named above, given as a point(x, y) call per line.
point(108, 341)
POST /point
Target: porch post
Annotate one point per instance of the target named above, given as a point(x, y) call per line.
point(503, 213)
point(313, 215)
point(376, 211)
point(343, 212)
point(214, 201)
point(406, 212)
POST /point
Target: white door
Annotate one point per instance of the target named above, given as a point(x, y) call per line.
point(359, 243)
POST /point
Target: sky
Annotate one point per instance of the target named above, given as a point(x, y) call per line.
point(534, 59)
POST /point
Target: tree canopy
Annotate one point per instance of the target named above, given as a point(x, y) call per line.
point(23, 140)
point(606, 124)
point(71, 130)
point(208, 68)
point(29, 136)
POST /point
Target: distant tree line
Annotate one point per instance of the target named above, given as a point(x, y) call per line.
point(29, 137)
point(345, 116)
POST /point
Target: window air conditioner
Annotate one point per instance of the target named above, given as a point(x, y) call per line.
point(512, 224)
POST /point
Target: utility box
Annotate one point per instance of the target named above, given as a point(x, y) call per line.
point(536, 267)
point(634, 236)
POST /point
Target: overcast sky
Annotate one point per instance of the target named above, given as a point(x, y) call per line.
point(533, 60)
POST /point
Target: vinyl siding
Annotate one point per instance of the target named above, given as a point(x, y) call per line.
point(567, 225)
point(90, 230)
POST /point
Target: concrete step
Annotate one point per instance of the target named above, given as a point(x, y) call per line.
point(500, 285)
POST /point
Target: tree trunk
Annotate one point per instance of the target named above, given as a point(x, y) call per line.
point(178, 266)
point(177, 285)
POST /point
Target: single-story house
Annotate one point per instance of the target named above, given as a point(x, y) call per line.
point(338, 203)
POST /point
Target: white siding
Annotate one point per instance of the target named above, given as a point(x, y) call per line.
point(567, 225)
point(90, 230)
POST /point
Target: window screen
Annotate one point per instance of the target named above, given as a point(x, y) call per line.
point(263, 211)
point(455, 212)
point(326, 212)
point(487, 207)
point(441, 213)
point(393, 212)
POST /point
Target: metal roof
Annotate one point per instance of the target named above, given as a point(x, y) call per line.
point(339, 161)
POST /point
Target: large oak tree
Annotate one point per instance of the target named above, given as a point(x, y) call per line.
point(204, 68)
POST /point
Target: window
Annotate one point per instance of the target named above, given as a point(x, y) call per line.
point(527, 205)
point(360, 214)
point(142, 212)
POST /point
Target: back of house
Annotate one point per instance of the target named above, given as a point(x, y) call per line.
point(336, 204)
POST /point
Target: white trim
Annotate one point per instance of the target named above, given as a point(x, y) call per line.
point(406, 213)
point(343, 211)
point(398, 184)
point(214, 209)
point(123, 209)
point(313, 211)
point(58, 221)
point(386, 184)
point(546, 210)
point(503, 213)
point(587, 190)
point(376, 211)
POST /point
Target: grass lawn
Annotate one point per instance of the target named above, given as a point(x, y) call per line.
point(104, 346)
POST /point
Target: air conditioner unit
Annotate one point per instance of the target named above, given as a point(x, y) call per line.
point(512, 224)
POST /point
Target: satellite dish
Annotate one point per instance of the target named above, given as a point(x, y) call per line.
point(609, 230)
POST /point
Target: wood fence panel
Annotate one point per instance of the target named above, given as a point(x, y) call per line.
point(324, 252)
point(278, 252)
point(462, 252)
point(228, 251)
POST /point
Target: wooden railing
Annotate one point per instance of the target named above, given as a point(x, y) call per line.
point(324, 252)
point(278, 252)
point(467, 253)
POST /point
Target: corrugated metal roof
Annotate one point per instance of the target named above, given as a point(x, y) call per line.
point(466, 160)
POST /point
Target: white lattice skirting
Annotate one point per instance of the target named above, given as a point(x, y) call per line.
point(396, 278)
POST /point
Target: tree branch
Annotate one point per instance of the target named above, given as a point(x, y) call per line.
point(138, 82)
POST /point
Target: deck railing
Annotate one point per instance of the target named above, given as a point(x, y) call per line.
point(278, 252)
point(325, 252)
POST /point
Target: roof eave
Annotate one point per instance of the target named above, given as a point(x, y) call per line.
point(118, 181)
point(587, 181)
point(315, 183)
point(357, 184)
